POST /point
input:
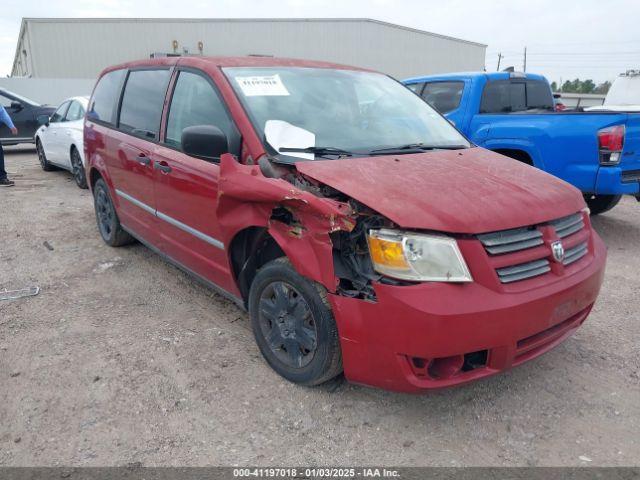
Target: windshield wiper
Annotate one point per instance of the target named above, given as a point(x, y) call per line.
point(414, 148)
point(318, 151)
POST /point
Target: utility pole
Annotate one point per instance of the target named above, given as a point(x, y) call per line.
point(525, 59)
point(499, 58)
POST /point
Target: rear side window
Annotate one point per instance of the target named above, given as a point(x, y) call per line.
point(506, 96)
point(539, 95)
point(75, 112)
point(443, 96)
point(105, 97)
point(195, 102)
point(142, 102)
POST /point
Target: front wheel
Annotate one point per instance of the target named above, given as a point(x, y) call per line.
point(77, 169)
point(293, 325)
point(601, 203)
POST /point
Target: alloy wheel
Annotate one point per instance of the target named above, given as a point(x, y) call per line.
point(76, 167)
point(41, 157)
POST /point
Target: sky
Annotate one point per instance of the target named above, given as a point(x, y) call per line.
point(593, 39)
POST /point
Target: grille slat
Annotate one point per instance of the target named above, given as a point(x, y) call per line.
point(568, 225)
point(574, 254)
point(523, 271)
point(503, 245)
point(510, 240)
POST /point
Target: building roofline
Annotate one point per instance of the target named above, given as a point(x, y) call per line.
point(240, 20)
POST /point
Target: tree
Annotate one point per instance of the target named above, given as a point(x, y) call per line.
point(603, 88)
point(587, 86)
point(583, 86)
point(554, 87)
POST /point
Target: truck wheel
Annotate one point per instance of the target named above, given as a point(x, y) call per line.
point(77, 168)
point(601, 203)
point(44, 163)
point(108, 223)
point(293, 325)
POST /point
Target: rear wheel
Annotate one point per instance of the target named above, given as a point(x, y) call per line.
point(108, 222)
point(601, 203)
point(42, 157)
point(77, 169)
point(293, 325)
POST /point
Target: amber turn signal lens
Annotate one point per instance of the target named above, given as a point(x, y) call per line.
point(387, 252)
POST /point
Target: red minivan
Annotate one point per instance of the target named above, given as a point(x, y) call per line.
point(362, 232)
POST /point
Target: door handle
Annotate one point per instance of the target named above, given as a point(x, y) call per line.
point(162, 166)
point(143, 159)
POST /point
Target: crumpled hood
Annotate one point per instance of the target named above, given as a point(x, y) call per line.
point(456, 191)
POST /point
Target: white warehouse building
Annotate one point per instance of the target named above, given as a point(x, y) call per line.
point(79, 48)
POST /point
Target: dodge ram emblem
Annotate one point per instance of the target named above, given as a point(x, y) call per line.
point(558, 251)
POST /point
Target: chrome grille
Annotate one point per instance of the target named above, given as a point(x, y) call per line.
point(568, 225)
point(510, 240)
point(574, 254)
point(504, 247)
point(523, 271)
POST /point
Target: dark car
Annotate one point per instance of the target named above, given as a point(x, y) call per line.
point(24, 113)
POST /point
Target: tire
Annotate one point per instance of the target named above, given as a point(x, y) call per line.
point(601, 203)
point(42, 157)
point(77, 169)
point(108, 222)
point(293, 325)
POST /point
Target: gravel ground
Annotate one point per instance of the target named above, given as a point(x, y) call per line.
point(122, 358)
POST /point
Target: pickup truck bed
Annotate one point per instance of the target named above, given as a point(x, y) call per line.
point(513, 114)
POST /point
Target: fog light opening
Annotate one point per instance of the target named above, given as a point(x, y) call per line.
point(475, 360)
point(446, 367)
point(419, 366)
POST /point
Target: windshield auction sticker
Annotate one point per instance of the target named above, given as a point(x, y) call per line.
point(260, 86)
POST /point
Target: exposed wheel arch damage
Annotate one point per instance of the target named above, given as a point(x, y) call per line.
point(321, 236)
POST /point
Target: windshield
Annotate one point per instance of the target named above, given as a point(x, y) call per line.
point(339, 111)
point(22, 99)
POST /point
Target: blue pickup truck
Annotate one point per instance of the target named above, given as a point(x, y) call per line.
point(513, 113)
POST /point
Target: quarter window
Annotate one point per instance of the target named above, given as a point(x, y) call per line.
point(195, 102)
point(105, 97)
point(142, 102)
point(443, 96)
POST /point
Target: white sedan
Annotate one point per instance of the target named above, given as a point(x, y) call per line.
point(59, 140)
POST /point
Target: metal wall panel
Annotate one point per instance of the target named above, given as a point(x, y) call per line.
point(81, 48)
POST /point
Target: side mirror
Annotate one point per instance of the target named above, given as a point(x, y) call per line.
point(43, 120)
point(17, 106)
point(204, 141)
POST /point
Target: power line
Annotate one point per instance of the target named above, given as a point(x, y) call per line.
point(636, 52)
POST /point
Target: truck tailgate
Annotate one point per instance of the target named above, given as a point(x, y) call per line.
point(624, 177)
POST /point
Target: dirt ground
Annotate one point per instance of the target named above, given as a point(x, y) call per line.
point(122, 358)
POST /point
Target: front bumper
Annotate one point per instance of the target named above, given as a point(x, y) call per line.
point(417, 338)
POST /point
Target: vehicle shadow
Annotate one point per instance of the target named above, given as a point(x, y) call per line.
point(19, 150)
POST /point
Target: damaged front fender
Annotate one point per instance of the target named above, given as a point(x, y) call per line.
point(299, 221)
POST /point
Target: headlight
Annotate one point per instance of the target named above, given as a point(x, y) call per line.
point(418, 257)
